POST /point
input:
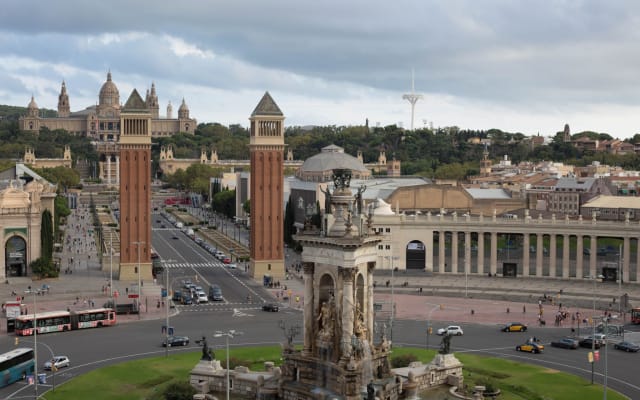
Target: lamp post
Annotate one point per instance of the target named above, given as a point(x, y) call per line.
point(393, 303)
point(620, 280)
point(166, 305)
point(139, 281)
point(436, 307)
point(228, 334)
point(35, 342)
point(111, 264)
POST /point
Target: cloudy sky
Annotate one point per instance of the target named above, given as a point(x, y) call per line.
point(520, 66)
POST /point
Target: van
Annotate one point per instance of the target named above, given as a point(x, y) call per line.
point(179, 225)
point(191, 233)
point(215, 293)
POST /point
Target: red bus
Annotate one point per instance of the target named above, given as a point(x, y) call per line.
point(62, 321)
point(635, 315)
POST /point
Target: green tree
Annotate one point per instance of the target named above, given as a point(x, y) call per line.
point(46, 236)
point(63, 176)
point(224, 202)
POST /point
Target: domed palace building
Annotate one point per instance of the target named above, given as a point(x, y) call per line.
point(101, 122)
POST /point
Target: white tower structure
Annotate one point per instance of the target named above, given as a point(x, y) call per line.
point(413, 98)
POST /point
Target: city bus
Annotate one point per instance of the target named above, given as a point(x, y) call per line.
point(635, 315)
point(16, 365)
point(62, 321)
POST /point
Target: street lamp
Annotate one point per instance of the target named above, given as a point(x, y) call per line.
point(393, 303)
point(35, 341)
point(166, 305)
point(436, 307)
point(229, 334)
point(111, 264)
point(139, 281)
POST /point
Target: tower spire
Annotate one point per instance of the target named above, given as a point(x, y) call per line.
point(412, 97)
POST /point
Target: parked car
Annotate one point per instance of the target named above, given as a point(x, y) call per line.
point(226, 260)
point(565, 343)
point(451, 330)
point(232, 266)
point(176, 341)
point(187, 299)
point(58, 362)
point(515, 327)
point(627, 346)
point(272, 307)
point(531, 347)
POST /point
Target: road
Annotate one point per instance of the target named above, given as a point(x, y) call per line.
point(185, 259)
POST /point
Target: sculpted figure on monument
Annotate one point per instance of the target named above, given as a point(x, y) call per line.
point(325, 318)
point(445, 345)
point(359, 326)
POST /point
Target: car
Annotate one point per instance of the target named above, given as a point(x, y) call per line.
point(565, 343)
point(176, 341)
point(451, 330)
point(187, 283)
point(186, 299)
point(57, 362)
point(175, 236)
point(272, 307)
point(158, 221)
point(627, 346)
point(601, 338)
point(201, 297)
point(232, 266)
point(588, 342)
point(531, 347)
point(515, 327)
point(226, 260)
point(215, 293)
point(163, 226)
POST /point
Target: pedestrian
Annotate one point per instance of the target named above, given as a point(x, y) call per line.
point(524, 309)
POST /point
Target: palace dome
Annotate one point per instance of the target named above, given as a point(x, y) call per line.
point(109, 94)
point(320, 167)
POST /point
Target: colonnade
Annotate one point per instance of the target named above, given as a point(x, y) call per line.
point(551, 262)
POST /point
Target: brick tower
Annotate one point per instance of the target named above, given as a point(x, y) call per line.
point(266, 146)
point(135, 189)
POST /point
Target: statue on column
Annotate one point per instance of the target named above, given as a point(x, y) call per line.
point(359, 200)
point(445, 345)
point(327, 200)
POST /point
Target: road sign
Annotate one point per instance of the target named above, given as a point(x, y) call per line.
point(133, 296)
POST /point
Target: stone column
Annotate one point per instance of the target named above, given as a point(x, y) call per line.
point(309, 320)
point(348, 308)
point(565, 256)
point(525, 255)
point(539, 254)
point(109, 169)
point(428, 256)
point(579, 257)
point(441, 252)
point(454, 252)
point(626, 252)
point(369, 315)
point(467, 252)
point(480, 252)
point(593, 256)
point(552, 255)
point(118, 169)
point(494, 253)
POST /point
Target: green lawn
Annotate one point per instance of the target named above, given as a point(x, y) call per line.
point(145, 379)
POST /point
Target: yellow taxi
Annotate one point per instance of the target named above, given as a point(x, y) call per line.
point(531, 347)
point(515, 327)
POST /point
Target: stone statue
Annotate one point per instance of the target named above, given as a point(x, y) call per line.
point(341, 178)
point(325, 318)
point(359, 327)
point(207, 353)
point(359, 201)
point(371, 391)
point(327, 200)
point(445, 345)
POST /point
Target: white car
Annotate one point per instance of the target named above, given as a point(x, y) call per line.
point(232, 266)
point(202, 297)
point(451, 330)
point(58, 362)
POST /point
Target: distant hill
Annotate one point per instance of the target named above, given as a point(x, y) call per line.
point(13, 113)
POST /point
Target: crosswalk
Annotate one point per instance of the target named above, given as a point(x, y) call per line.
point(194, 265)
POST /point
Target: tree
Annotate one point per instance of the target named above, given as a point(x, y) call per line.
point(289, 220)
point(63, 176)
point(46, 236)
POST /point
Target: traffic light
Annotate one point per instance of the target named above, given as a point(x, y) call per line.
point(430, 330)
